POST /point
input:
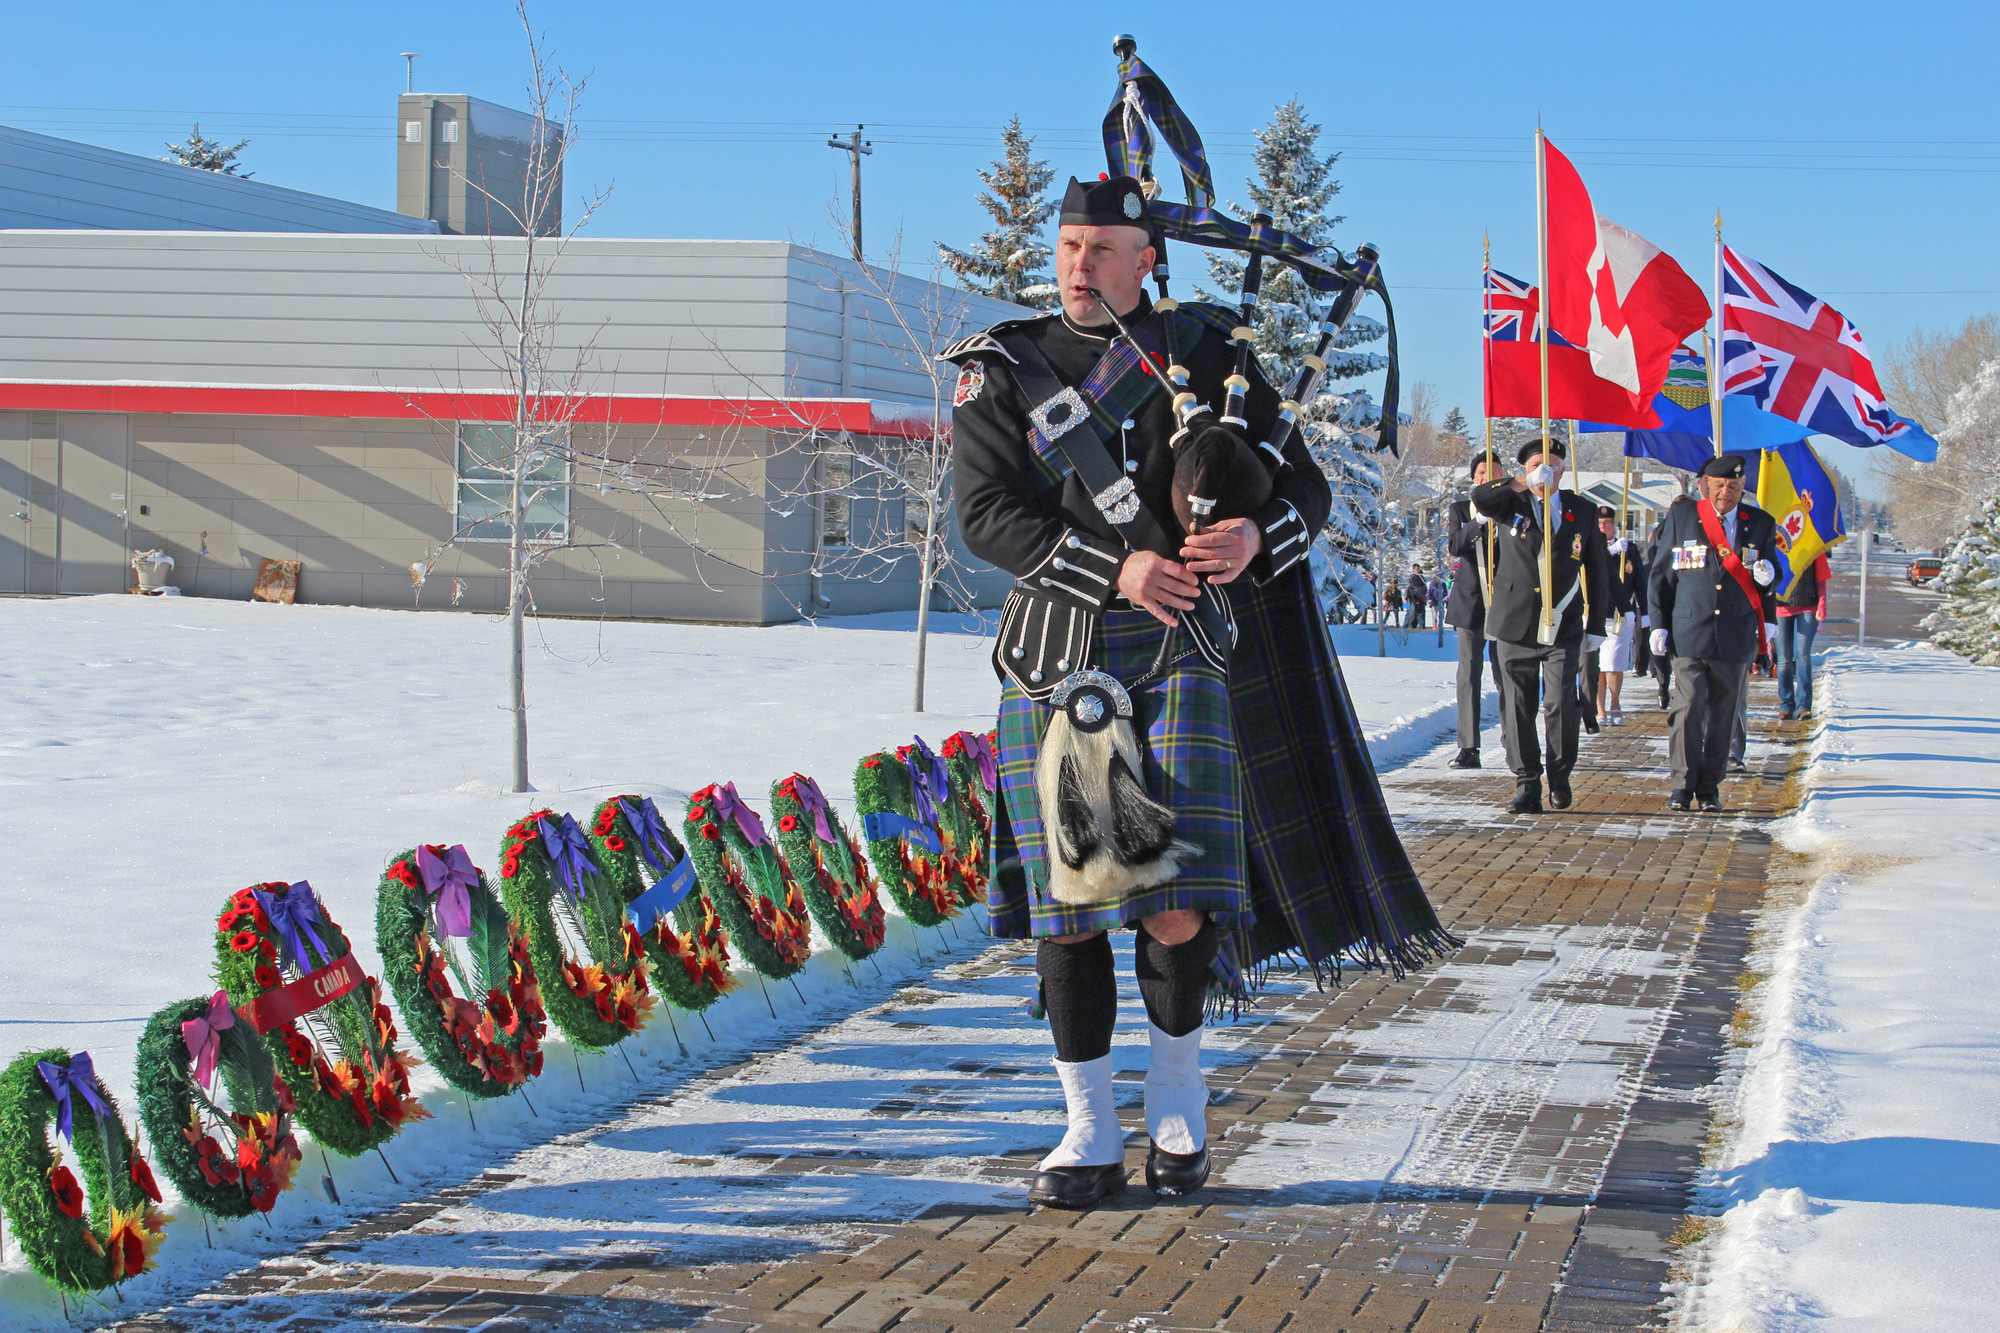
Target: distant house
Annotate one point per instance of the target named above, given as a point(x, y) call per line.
point(259, 373)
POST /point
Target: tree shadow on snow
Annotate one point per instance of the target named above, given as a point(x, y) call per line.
point(1953, 1172)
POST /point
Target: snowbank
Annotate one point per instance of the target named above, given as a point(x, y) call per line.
point(158, 754)
point(1862, 1186)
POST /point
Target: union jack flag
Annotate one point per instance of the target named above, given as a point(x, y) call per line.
point(1513, 311)
point(1797, 357)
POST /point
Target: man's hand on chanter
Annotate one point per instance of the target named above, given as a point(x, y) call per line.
point(1158, 585)
point(1225, 550)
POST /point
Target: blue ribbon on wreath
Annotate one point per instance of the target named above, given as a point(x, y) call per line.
point(81, 1079)
point(666, 894)
point(569, 853)
point(649, 829)
point(296, 918)
point(889, 824)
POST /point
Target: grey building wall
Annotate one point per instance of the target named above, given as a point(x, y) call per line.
point(464, 163)
point(49, 182)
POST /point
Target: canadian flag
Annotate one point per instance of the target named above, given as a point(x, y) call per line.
point(1612, 292)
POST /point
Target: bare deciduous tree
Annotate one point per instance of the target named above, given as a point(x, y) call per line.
point(1931, 377)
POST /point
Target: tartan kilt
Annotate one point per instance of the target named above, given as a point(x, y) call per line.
point(1188, 748)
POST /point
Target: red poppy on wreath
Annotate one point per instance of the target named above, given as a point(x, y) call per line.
point(286, 1101)
point(142, 1176)
point(510, 868)
point(871, 763)
point(243, 941)
point(216, 1168)
point(267, 951)
point(69, 1195)
point(787, 824)
point(711, 832)
point(615, 844)
point(269, 977)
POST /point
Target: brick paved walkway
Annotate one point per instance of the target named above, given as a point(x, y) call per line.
point(1502, 1142)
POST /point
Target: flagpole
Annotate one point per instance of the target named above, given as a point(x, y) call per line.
point(1715, 371)
point(1547, 633)
point(1492, 469)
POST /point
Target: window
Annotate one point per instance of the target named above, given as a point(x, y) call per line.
point(485, 484)
point(413, 131)
point(836, 507)
point(449, 131)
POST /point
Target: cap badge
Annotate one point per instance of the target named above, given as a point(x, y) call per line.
point(1132, 206)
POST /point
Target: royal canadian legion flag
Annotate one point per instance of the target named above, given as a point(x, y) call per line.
point(1618, 306)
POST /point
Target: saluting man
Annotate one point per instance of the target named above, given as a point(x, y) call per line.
point(1533, 671)
point(1256, 825)
point(1466, 611)
point(1709, 590)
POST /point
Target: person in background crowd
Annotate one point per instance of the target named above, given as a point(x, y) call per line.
point(1437, 594)
point(1414, 593)
point(1392, 604)
point(1662, 662)
point(1709, 590)
point(1799, 615)
point(1466, 611)
point(1628, 595)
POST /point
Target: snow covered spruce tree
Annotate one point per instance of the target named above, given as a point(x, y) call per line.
point(1294, 183)
point(208, 154)
point(1969, 621)
point(1010, 262)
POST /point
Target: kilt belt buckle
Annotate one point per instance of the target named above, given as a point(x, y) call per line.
point(1093, 699)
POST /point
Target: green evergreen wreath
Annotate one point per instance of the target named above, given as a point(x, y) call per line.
point(229, 1157)
point(485, 1046)
point(602, 996)
point(964, 855)
point(918, 879)
point(358, 1100)
point(750, 888)
point(691, 964)
point(839, 889)
point(40, 1195)
point(970, 770)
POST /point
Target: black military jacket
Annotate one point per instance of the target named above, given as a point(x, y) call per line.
point(1516, 610)
point(1054, 536)
point(1466, 540)
point(1694, 598)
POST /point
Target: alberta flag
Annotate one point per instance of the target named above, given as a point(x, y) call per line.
point(1797, 357)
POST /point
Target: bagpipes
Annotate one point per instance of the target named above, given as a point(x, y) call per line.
point(1107, 835)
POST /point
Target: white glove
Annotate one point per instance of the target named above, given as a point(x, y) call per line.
point(1594, 640)
point(1617, 545)
point(1659, 643)
point(1481, 516)
point(1545, 475)
point(1645, 622)
point(1770, 632)
point(1764, 572)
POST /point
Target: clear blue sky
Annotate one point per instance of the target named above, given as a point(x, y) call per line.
point(1853, 147)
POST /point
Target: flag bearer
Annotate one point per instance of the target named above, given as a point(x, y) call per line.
point(1466, 611)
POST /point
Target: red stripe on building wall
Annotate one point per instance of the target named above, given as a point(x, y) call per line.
point(850, 414)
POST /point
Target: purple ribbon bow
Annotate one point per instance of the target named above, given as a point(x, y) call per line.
point(204, 1036)
point(813, 801)
point(79, 1078)
point(728, 805)
point(980, 750)
point(294, 917)
point(569, 851)
point(450, 879)
point(650, 829)
point(930, 780)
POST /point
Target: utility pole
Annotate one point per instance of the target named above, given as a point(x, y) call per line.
point(854, 147)
point(410, 70)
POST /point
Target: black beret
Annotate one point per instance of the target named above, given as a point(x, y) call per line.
point(1606, 511)
point(1113, 202)
point(1727, 465)
point(1533, 445)
point(1499, 463)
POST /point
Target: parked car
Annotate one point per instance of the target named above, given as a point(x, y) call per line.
point(1924, 568)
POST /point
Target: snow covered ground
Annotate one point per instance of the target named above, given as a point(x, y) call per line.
point(1861, 1189)
point(158, 754)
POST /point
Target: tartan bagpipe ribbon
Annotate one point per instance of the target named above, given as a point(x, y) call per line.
point(1143, 101)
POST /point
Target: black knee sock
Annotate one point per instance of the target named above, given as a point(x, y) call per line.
point(1081, 994)
point(1173, 978)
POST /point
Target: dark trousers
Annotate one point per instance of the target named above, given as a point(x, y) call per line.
point(1588, 706)
point(1663, 672)
point(1702, 721)
point(1472, 646)
point(1546, 678)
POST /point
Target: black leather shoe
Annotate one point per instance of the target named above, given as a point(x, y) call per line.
point(1559, 794)
point(1080, 1186)
point(1590, 723)
point(1465, 759)
point(1172, 1174)
point(1710, 804)
point(1679, 800)
point(1527, 798)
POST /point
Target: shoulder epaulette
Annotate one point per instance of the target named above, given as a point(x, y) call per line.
point(987, 340)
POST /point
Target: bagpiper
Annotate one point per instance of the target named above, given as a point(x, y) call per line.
point(1218, 802)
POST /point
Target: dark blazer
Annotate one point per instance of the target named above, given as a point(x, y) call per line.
point(1703, 610)
point(1516, 611)
point(1628, 595)
point(1467, 544)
